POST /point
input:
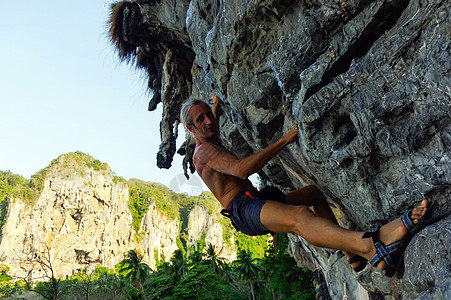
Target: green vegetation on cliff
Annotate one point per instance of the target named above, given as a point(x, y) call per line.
point(142, 194)
point(174, 205)
point(79, 162)
point(14, 186)
point(178, 206)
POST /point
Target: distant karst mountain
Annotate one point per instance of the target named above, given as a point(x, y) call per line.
point(85, 215)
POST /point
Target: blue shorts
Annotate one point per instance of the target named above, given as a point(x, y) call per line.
point(244, 209)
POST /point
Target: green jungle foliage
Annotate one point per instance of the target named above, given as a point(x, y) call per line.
point(9, 287)
point(285, 276)
point(197, 275)
point(254, 244)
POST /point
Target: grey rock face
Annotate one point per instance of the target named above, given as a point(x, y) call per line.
point(365, 82)
point(428, 263)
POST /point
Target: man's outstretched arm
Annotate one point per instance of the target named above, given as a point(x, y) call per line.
point(219, 160)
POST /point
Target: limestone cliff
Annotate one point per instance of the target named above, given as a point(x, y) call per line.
point(82, 217)
point(365, 82)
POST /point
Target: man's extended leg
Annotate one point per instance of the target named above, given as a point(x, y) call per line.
point(318, 231)
point(312, 196)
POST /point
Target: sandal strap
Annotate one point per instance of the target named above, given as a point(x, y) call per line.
point(353, 259)
point(407, 221)
point(374, 234)
point(363, 261)
point(382, 251)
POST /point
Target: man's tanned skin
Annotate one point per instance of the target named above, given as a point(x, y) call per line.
point(226, 176)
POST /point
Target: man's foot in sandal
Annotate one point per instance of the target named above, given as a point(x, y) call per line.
point(391, 239)
point(357, 262)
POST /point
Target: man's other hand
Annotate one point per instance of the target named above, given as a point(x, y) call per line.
point(216, 100)
point(216, 106)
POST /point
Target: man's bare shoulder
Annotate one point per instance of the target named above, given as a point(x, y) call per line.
point(206, 151)
point(204, 147)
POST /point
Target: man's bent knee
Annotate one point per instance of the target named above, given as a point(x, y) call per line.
point(302, 215)
point(316, 192)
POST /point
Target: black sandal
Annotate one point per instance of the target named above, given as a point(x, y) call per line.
point(363, 261)
point(393, 254)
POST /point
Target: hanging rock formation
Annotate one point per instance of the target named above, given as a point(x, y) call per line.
point(365, 82)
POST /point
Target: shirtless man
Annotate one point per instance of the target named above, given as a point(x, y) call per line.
point(255, 213)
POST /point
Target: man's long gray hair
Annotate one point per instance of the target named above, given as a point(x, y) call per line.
point(185, 117)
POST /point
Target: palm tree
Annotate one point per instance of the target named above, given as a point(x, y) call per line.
point(134, 269)
point(213, 260)
point(179, 265)
point(247, 268)
point(195, 257)
point(109, 286)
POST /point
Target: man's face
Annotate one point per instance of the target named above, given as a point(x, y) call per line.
point(204, 122)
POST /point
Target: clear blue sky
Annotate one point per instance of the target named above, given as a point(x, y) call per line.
point(63, 89)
